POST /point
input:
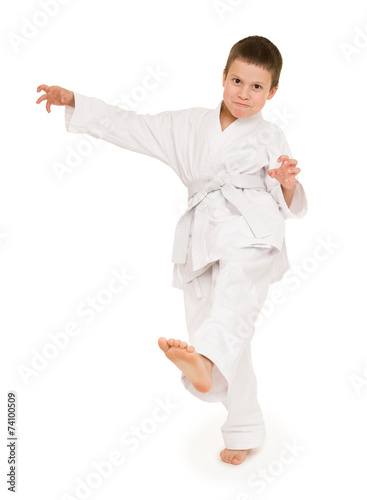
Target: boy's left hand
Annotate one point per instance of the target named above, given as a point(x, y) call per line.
point(286, 173)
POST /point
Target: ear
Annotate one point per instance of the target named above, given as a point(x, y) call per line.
point(272, 93)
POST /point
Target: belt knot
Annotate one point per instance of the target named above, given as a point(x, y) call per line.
point(208, 184)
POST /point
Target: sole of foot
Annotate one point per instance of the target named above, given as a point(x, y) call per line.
point(193, 365)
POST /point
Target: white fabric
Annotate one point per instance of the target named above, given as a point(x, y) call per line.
point(227, 184)
point(220, 322)
point(192, 143)
point(235, 236)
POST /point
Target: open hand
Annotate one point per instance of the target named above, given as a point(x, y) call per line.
point(55, 95)
point(286, 173)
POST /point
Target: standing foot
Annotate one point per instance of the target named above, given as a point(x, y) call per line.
point(197, 368)
point(234, 457)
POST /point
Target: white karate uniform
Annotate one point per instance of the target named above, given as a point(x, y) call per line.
point(229, 245)
point(220, 325)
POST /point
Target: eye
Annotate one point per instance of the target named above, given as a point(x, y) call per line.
point(236, 80)
point(258, 87)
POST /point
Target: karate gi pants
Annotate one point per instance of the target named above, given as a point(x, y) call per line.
point(221, 307)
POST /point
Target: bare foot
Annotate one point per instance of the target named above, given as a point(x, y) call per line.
point(197, 368)
point(235, 457)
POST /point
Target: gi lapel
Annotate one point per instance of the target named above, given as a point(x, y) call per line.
point(220, 140)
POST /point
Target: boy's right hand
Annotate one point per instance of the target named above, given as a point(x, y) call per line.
point(56, 95)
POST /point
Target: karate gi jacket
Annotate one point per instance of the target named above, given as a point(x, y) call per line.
point(232, 201)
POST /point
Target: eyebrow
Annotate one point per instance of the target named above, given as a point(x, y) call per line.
point(236, 76)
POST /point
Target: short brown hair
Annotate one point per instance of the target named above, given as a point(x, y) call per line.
point(259, 51)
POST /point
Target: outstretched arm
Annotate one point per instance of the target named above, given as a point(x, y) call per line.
point(162, 136)
point(113, 124)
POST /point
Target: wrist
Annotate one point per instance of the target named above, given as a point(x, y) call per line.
point(288, 187)
point(72, 101)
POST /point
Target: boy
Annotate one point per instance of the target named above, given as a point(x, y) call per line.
point(229, 245)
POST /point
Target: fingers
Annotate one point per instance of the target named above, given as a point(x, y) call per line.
point(56, 96)
point(291, 163)
point(288, 162)
point(48, 104)
point(289, 176)
point(45, 96)
point(293, 171)
point(288, 165)
point(282, 158)
point(284, 170)
point(272, 172)
point(285, 174)
point(42, 87)
point(42, 98)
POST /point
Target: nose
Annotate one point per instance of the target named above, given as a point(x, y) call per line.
point(244, 93)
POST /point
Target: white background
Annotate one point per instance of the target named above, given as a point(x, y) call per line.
point(60, 241)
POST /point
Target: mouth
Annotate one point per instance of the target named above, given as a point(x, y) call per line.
point(242, 105)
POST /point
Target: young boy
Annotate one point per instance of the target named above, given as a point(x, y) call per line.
point(229, 245)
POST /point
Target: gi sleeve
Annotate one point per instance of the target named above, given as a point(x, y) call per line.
point(299, 205)
point(145, 134)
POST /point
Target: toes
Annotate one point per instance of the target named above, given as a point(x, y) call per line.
point(175, 343)
point(229, 458)
point(179, 343)
point(162, 342)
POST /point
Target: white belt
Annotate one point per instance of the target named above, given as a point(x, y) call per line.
point(227, 184)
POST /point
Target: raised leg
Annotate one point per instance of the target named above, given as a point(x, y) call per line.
point(197, 368)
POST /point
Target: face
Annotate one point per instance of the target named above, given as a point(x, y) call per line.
point(246, 89)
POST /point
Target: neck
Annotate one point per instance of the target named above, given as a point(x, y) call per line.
point(226, 118)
